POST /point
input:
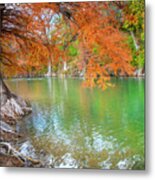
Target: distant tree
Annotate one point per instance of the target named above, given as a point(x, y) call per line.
point(133, 22)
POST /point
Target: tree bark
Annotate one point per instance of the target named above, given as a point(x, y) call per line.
point(12, 109)
point(65, 66)
point(50, 61)
point(139, 71)
point(49, 72)
point(3, 88)
point(134, 40)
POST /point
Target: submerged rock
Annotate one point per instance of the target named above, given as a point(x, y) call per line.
point(106, 164)
point(67, 161)
point(26, 149)
point(123, 164)
point(135, 162)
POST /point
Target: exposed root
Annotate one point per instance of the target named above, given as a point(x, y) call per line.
point(6, 127)
point(12, 109)
point(7, 150)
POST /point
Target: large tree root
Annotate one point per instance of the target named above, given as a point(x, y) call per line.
point(10, 157)
point(12, 110)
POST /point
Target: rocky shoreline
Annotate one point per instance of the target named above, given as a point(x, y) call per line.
point(15, 149)
point(13, 110)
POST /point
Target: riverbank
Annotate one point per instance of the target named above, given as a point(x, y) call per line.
point(16, 149)
point(13, 110)
point(137, 73)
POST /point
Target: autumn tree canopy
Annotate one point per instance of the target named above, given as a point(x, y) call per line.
point(91, 36)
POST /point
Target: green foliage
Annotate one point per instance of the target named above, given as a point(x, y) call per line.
point(72, 51)
point(54, 68)
point(95, 50)
point(61, 48)
point(138, 56)
point(134, 22)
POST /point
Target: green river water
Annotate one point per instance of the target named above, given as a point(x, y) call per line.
point(85, 128)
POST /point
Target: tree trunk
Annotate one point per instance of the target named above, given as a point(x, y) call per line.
point(49, 72)
point(134, 40)
point(49, 66)
point(12, 109)
point(139, 70)
point(3, 88)
point(12, 106)
point(64, 66)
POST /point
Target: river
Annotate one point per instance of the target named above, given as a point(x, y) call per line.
point(79, 127)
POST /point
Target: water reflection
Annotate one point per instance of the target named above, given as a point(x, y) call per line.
point(86, 127)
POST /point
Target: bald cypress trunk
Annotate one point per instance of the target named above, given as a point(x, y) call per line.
point(134, 40)
point(12, 109)
point(12, 106)
point(49, 72)
point(3, 88)
point(139, 70)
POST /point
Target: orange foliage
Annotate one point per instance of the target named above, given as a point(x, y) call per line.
point(26, 43)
